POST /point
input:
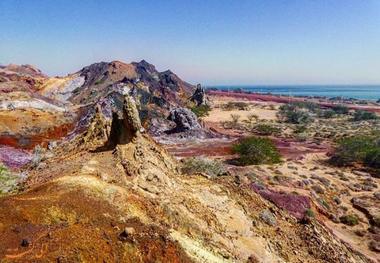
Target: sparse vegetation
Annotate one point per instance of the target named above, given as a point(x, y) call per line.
point(340, 109)
point(100, 81)
point(326, 114)
point(358, 149)
point(256, 150)
point(266, 129)
point(310, 106)
point(292, 114)
point(235, 118)
point(350, 220)
point(361, 115)
point(252, 118)
point(309, 213)
point(37, 156)
point(236, 105)
point(206, 166)
point(201, 111)
point(8, 181)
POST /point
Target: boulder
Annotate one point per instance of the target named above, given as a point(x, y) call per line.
point(184, 119)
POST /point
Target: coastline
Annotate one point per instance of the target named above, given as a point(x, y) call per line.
point(325, 102)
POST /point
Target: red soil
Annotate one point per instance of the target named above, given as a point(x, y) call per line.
point(289, 149)
point(29, 141)
point(212, 148)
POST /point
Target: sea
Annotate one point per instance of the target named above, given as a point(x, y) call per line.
point(361, 92)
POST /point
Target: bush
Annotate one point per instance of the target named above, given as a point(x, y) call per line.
point(201, 110)
point(256, 150)
point(340, 109)
point(8, 181)
point(309, 213)
point(326, 114)
point(291, 114)
point(298, 129)
point(252, 117)
point(203, 165)
point(311, 106)
point(266, 129)
point(361, 115)
point(232, 105)
point(372, 158)
point(98, 82)
point(235, 118)
point(355, 149)
point(350, 220)
point(364, 150)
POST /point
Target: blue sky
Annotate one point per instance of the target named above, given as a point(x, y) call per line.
point(209, 41)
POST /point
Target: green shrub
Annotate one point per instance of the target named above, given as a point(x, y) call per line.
point(8, 181)
point(309, 213)
point(256, 150)
point(233, 105)
point(350, 220)
point(298, 129)
point(292, 114)
point(326, 114)
point(353, 150)
point(98, 82)
point(311, 106)
point(266, 129)
point(372, 158)
point(201, 110)
point(361, 115)
point(340, 109)
point(203, 165)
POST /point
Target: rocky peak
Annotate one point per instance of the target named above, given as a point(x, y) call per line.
point(144, 66)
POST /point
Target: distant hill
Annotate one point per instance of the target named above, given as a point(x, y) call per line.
point(100, 78)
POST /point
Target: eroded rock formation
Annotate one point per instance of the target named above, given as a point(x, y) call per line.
point(199, 96)
point(184, 119)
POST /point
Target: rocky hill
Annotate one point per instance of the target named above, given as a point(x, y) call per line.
point(101, 77)
point(112, 194)
point(75, 96)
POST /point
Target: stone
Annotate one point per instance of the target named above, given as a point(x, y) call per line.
point(126, 234)
point(268, 217)
point(184, 119)
point(25, 243)
point(52, 145)
point(374, 246)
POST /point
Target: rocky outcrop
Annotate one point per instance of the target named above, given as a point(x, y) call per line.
point(124, 128)
point(199, 96)
point(97, 132)
point(369, 206)
point(296, 205)
point(103, 77)
point(184, 119)
point(112, 125)
point(14, 72)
